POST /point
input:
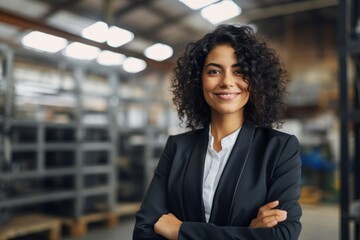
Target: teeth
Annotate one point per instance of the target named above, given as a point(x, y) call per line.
point(228, 94)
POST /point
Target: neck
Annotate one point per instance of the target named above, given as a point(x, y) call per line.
point(224, 126)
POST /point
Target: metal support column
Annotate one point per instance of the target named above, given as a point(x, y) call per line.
point(113, 131)
point(349, 52)
point(79, 199)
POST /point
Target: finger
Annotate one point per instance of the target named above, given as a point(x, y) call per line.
point(274, 218)
point(273, 221)
point(271, 218)
point(255, 223)
point(269, 205)
point(273, 212)
point(268, 221)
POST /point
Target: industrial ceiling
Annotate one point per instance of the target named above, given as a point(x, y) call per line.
point(152, 21)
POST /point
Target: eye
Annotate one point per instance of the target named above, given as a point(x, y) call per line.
point(213, 71)
point(238, 73)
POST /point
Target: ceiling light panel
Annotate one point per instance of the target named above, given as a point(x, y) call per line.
point(81, 51)
point(197, 4)
point(134, 65)
point(159, 52)
point(114, 36)
point(118, 36)
point(97, 32)
point(43, 42)
point(221, 11)
point(109, 58)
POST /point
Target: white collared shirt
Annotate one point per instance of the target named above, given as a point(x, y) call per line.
point(214, 165)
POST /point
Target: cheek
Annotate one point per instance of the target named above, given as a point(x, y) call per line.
point(206, 89)
point(206, 85)
point(245, 88)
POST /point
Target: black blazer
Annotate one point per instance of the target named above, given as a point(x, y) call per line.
point(264, 166)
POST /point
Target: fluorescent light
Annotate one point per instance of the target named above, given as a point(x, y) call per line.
point(134, 65)
point(158, 52)
point(97, 32)
point(44, 42)
point(221, 11)
point(197, 4)
point(109, 58)
point(118, 36)
point(115, 36)
point(81, 51)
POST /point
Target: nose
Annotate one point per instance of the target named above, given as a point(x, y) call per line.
point(227, 80)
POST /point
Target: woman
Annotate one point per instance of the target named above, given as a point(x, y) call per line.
point(232, 176)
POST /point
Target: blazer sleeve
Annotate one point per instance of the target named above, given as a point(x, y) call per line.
point(154, 204)
point(284, 186)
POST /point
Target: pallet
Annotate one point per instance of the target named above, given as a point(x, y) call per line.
point(29, 224)
point(310, 195)
point(125, 208)
point(79, 227)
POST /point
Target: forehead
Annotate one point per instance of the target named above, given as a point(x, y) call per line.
point(222, 53)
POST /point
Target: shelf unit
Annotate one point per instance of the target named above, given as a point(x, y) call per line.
point(56, 159)
point(349, 56)
point(4, 213)
point(96, 149)
point(143, 124)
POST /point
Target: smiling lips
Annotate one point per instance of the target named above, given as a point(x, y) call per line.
point(227, 96)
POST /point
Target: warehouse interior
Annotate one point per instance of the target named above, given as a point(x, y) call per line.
point(86, 108)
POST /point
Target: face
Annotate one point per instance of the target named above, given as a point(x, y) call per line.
point(224, 88)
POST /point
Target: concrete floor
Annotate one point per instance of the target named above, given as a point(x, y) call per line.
point(319, 222)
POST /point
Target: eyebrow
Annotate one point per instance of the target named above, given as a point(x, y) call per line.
point(220, 66)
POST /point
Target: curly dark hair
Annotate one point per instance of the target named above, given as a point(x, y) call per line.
point(259, 64)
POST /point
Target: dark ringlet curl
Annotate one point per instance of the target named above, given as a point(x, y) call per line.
point(259, 65)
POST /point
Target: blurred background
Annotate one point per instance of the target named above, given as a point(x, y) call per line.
point(86, 108)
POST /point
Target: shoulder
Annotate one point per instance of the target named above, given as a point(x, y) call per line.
point(272, 135)
point(187, 137)
point(184, 142)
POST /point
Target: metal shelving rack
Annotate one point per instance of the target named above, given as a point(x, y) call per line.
point(140, 143)
point(349, 56)
point(40, 150)
point(81, 152)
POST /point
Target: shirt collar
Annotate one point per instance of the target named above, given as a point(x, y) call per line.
point(227, 141)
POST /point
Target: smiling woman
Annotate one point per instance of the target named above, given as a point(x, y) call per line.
point(232, 176)
point(224, 88)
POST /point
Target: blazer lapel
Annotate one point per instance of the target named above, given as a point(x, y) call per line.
point(225, 191)
point(193, 180)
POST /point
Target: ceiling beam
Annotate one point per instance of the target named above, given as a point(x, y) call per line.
point(168, 21)
point(137, 31)
point(55, 7)
point(134, 4)
point(274, 11)
point(283, 9)
point(32, 24)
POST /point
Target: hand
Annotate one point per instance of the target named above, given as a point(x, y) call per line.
point(168, 226)
point(268, 217)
